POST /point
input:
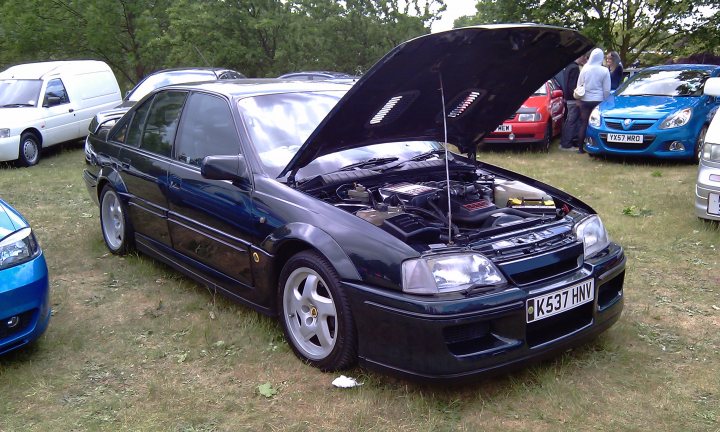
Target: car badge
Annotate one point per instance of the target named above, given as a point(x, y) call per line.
point(627, 122)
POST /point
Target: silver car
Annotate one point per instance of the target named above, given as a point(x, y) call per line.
point(707, 189)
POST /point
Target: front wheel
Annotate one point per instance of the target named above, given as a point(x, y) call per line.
point(699, 143)
point(114, 222)
point(29, 152)
point(315, 313)
point(547, 139)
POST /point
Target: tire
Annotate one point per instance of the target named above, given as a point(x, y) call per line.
point(699, 143)
point(315, 313)
point(547, 139)
point(29, 151)
point(114, 223)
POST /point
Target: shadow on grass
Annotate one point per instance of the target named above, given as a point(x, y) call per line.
point(47, 154)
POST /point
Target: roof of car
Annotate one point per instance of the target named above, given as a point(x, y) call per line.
point(261, 86)
point(684, 67)
point(330, 74)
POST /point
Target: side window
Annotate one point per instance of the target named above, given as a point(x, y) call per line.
point(55, 93)
point(136, 126)
point(162, 121)
point(207, 129)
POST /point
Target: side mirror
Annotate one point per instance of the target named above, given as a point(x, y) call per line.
point(52, 101)
point(233, 168)
point(556, 94)
point(712, 86)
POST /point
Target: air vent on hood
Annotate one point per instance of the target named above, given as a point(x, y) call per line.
point(464, 104)
point(393, 108)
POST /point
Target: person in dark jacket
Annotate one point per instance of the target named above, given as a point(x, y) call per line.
point(571, 126)
point(614, 65)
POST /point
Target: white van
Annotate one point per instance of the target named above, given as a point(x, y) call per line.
point(43, 104)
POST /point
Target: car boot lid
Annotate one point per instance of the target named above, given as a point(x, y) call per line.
point(482, 74)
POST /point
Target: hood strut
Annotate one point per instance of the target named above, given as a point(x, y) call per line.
point(447, 160)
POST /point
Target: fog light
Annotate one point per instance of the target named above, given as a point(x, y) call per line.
point(676, 146)
point(511, 136)
point(13, 322)
point(589, 142)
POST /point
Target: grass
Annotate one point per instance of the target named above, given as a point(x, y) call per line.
point(134, 346)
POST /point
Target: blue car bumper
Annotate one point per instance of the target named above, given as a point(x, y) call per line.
point(676, 143)
point(24, 304)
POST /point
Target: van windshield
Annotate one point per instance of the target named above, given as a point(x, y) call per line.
point(19, 93)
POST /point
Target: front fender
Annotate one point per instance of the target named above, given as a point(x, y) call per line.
point(314, 237)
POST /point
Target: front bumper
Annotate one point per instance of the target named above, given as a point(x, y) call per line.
point(455, 340)
point(522, 133)
point(656, 142)
point(24, 304)
point(704, 187)
point(9, 148)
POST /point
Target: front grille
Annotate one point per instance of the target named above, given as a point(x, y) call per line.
point(25, 320)
point(634, 126)
point(536, 268)
point(559, 325)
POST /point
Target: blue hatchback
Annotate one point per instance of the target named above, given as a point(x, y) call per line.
point(661, 111)
point(24, 285)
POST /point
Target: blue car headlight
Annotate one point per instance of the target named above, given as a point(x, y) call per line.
point(445, 273)
point(594, 119)
point(593, 235)
point(17, 248)
point(677, 119)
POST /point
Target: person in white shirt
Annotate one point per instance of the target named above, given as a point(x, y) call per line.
point(595, 79)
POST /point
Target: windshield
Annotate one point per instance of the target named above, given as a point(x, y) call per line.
point(168, 78)
point(279, 124)
point(19, 92)
point(665, 83)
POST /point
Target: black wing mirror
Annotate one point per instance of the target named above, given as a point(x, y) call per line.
point(233, 168)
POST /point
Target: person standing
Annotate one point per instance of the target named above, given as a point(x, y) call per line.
point(570, 128)
point(594, 78)
point(614, 65)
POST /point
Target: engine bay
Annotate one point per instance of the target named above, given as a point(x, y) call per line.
point(461, 211)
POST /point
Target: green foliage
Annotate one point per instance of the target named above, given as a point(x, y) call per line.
point(257, 37)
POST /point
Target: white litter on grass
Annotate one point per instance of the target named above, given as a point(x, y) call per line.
point(345, 382)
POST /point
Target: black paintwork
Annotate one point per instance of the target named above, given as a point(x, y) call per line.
point(235, 235)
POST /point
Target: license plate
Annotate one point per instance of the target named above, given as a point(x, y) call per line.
point(504, 128)
point(547, 305)
point(714, 204)
point(624, 138)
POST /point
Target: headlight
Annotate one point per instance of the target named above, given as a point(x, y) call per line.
point(18, 248)
point(592, 232)
point(677, 119)
point(711, 152)
point(529, 117)
point(5, 133)
point(448, 273)
point(594, 119)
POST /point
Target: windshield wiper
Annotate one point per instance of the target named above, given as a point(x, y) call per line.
point(369, 163)
point(17, 105)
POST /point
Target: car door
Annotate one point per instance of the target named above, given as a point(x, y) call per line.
point(143, 162)
point(210, 221)
point(59, 113)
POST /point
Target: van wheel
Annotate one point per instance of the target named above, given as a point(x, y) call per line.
point(29, 154)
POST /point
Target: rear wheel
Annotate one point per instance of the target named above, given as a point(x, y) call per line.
point(699, 143)
point(29, 153)
point(315, 313)
point(114, 222)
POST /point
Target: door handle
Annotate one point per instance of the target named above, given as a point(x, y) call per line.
point(125, 164)
point(71, 110)
point(174, 185)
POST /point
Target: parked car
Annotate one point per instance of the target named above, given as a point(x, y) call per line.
point(24, 286)
point(335, 208)
point(537, 121)
point(707, 188)
point(660, 111)
point(43, 104)
point(317, 75)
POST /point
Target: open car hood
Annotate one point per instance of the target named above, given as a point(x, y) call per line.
point(486, 73)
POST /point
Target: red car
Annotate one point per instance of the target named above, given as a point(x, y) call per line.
point(537, 121)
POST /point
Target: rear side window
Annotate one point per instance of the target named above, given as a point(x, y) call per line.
point(207, 129)
point(131, 135)
point(162, 121)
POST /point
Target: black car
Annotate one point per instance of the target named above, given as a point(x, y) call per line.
point(337, 209)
